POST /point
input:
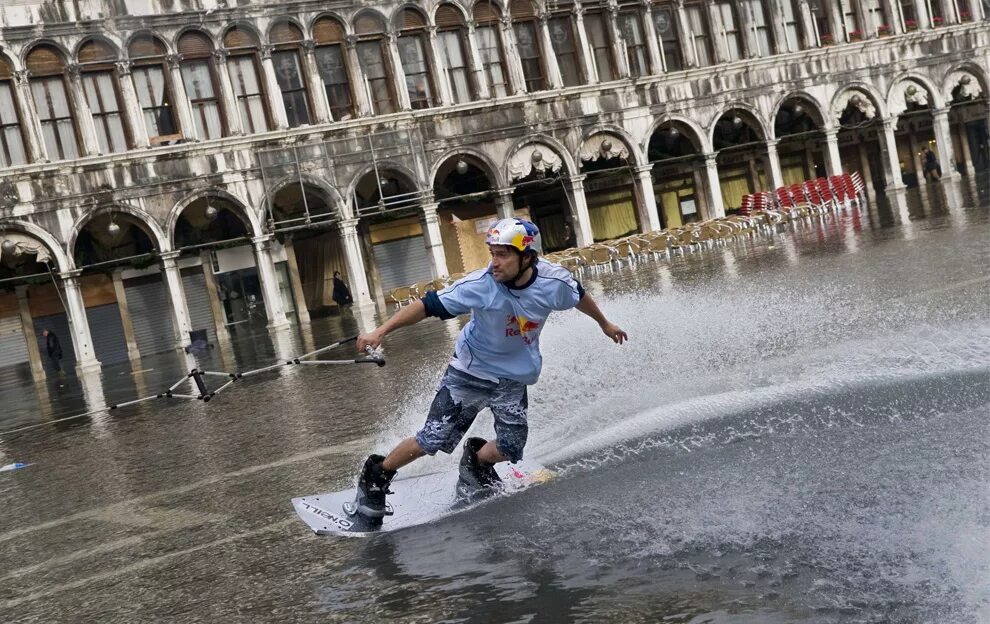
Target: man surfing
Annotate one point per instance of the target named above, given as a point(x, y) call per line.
point(496, 358)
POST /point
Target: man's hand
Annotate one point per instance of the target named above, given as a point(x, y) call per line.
point(372, 339)
point(614, 332)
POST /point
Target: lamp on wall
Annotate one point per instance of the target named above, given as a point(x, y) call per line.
point(737, 121)
point(537, 157)
point(462, 166)
point(113, 229)
point(8, 247)
point(211, 211)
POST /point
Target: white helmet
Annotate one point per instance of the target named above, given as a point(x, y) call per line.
point(518, 233)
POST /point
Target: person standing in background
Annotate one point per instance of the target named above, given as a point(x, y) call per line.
point(341, 294)
point(54, 349)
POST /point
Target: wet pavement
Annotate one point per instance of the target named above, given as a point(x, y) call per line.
point(796, 432)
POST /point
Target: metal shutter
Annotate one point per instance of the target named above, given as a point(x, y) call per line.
point(107, 333)
point(13, 349)
point(59, 324)
point(151, 314)
point(403, 262)
point(198, 303)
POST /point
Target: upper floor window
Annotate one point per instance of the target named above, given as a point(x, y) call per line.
point(729, 24)
point(487, 16)
point(597, 29)
point(794, 35)
point(242, 65)
point(876, 17)
point(413, 44)
point(939, 15)
point(821, 16)
point(524, 25)
point(453, 48)
point(371, 55)
point(851, 21)
point(51, 99)
point(11, 140)
point(701, 33)
point(99, 79)
point(665, 23)
point(199, 78)
point(564, 44)
point(759, 22)
point(153, 89)
point(332, 65)
point(637, 56)
point(286, 58)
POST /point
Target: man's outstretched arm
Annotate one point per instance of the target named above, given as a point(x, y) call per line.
point(409, 315)
point(588, 306)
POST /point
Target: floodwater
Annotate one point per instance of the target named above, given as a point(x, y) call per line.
point(797, 431)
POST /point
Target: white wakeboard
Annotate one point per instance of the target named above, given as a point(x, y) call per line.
point(415, 500)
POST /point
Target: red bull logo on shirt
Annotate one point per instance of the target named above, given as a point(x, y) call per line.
point(520, 326)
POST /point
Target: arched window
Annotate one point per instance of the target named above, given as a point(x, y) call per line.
point(486, 16)
point(331, 62)
point(757, 13)
point(730, 35)
point(287, 37)
point(153, 91)
point(634, 40)
point(701, 33)
point(11, 140)
point(452, 36)
point(665, 23)
point(526, 29)
point(99, 79)
point(794, 35)
point(51, 99)
point(370, 30)
point(200, 80)
point(596, 26)
point(564, 42)
point(415, 65)
point(242, 64)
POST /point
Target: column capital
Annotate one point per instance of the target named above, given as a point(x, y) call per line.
point(505, 192)
point(506, 22)
point(22, 76)
point(349, 224)
point(262, 241)
point(940, 112)
point(392, 36)
point(169, 257)
point(471, 26)
point(710, 158)
point(71, 275)
point(889, 123)
point(544, 17)
point(124, 67)
point(644, 169)
point(351, 41)
point(73, 70)
point(577, 181)
point(308, 45)
point(578, 11)
point(831, 133)
point(772, 143)
point(173, 60)
point(266, 52)
point(221, 55)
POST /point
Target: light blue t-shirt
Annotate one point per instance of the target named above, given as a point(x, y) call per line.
point(502, 339)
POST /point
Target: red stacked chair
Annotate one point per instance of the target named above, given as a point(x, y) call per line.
point(858, 185)
point(850, 188)
point(785, 200)
point(839, 190)
point(812, 196)
point(800, 201)
point(748, 205)
point(825, 192)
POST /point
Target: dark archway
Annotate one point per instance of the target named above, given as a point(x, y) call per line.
point(675, 153)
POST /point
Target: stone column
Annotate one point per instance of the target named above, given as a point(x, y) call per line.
point(580, 219)
point(177, 297)
point(434, 244)
point(269, 281)
point(298, 295)
point(589, 68)
point(503, 204)
point(718, 34)
point(311, 76)
point(700, 196)
point(913, 154)
point(649, 216)
point(943, 141)
point(228, 101)
point(180, 99)
point(82, 341)
point(833, 161)
point(216, 306)
point(808, 25)
point(355, 262)
point(477, 66)
point(133, 353)
point(618, 41)
point(272, 91)
point(652, 39)
point(398, 73)
point(133, 115)
point(686, 41)
point(444, 95)
point(27, 328)
point(921, 10)
point(889, 145)
point(360, 87)
point(517, 80)
point(776, 175)
point(777, 27)
point(554, 77)
point(716, 207)
point(90, 144)
point(35, 143)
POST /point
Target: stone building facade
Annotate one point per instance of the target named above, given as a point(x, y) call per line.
point(168, 166)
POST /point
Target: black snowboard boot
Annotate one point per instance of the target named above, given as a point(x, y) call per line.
point(371, 489)
point(476, 480)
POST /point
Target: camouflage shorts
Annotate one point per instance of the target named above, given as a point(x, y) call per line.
point(459, 399)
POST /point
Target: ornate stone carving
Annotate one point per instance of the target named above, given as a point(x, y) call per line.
point(856, 99)
point(969, 87)
point(124, 67)
point(604, 146)
point(533, 157)
point(907, 95)
point(13, 245)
